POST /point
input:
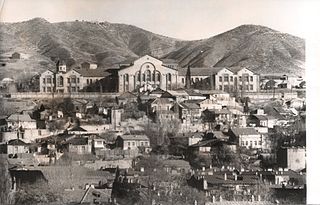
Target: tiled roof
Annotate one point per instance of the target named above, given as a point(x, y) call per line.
point(98, 72)
point(17, 142)
point(244, 131)
point(162, 101)
point(134, 137)
point(127, 95)
point(190, 105)
point(202, 71)
point(78, 141)
point(20, 117)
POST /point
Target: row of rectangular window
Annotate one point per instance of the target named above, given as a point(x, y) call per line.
point(226, 87)
point(226, 78)
point(70, 89)
point(243, 143)
point(141, 143)
point(49, 80)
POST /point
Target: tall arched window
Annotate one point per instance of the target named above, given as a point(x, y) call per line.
point(126, 78)
point(60, 81)
point(158, 76)
point(148, 74)
point(143, 77)
point(169, 76)
point(138, 76)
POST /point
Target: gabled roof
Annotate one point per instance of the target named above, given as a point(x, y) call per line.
point(244, 131)
point(127, 95)
point(192, 92)
point(162, 101)
point(17, 142)
point(20, 117)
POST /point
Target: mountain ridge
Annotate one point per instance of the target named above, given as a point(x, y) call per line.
point(259, 48)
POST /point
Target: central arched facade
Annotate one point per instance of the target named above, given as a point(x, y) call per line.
point(147, 73)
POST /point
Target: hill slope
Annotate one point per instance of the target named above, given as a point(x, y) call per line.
point(259, 48)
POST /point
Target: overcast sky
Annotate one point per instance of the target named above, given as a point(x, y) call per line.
point(183, 19)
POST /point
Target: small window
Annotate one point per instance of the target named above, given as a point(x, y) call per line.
point(240, 78)
point(68, 80)
point(44, 81)
point(44, 89)
point(251, 78)
point(260, 142)
point(231, 78)
point(88, 81)
point(133, 143)
point(182, 80)
point(251, 87)
point(255, 143)
point(220, 78)
point(128, 143)
point(247, 78)
point(226, 78)
point(49, 89)
point(246, 142)
point(78, 80)
point(220, 87)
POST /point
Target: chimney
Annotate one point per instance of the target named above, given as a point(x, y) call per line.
point(225, 176)
point(203, 169)
point(141, 169)
point(235, 177)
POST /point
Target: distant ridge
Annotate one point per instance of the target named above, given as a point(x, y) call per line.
point(257, 47)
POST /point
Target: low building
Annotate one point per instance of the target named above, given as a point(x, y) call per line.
point(246, 137)
point(132, 141)
point(175, 166)
point(79, 145)
point(17, 146)
point(263, 120)
point(293, 158)
point(16, 55)
point(16, 121)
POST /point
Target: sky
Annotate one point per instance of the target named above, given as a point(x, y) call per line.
point(182, 19)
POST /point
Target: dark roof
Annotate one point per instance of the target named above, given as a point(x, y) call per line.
point(169, 61)
point(202, 71)
point(78, 129)
point(78, 141)
point(3, 121)
point(244, 131)
point(98, 72)
point(17, 142)
point(220, 111)
point(190, 105)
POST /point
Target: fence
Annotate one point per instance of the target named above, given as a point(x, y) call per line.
point(38, 95)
